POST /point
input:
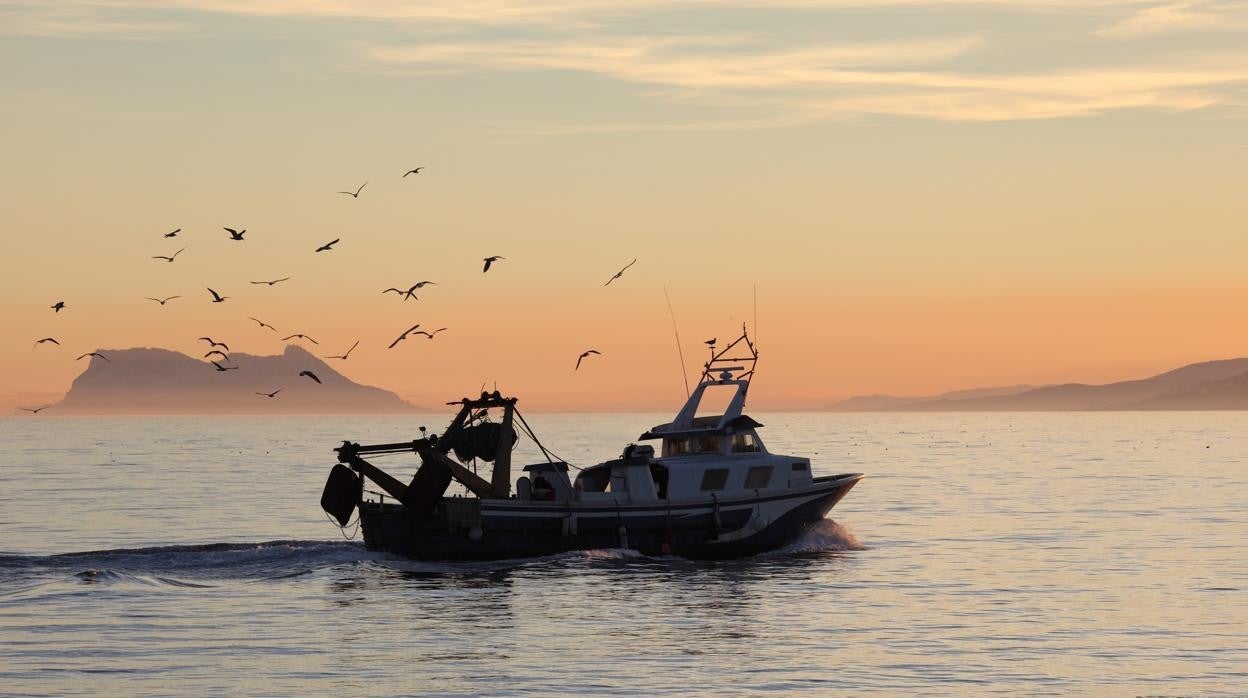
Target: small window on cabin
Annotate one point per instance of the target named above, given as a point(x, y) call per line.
point(799, 467)
point(744, 443)
point(714, 479)
point(678, 447)
point(758, 477)
point(708, 444)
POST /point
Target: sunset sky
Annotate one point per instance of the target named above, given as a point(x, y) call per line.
point(927, 195)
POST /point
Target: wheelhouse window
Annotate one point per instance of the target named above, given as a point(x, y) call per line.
point(691, 444)
point(758, 477)
point(714, 479)
point(744, 443)
point(595, 479)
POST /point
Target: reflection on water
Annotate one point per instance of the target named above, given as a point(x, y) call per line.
point(1096, 554)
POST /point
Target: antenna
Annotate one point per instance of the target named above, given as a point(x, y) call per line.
point(680, 352)
point(756, 313)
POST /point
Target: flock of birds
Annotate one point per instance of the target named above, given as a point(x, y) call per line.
point(220, 358)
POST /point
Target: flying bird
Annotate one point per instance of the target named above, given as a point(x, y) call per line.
point(224, 356)
point(169, 259)
point(584, 354)
point(328, 246)
point(489, 261)
point(430, 334)
point(162, 301)
point(173, 234)
point(620, 273)
point(57, 306)
point(403, 336)
point(34, 410)
point(224, 368)
point(311, 375)
point(411, 291)
point(274, 281)
point(355, 194)
point(217, 297)
point(415, 171)
point(272, 394)
point(236, 234)
point(262, 323)
point(300, 336)
point(344, 356)
point(93, 353)
point(47, 339)
point(214, 343)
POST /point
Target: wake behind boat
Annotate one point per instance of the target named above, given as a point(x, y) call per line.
point(712, 491)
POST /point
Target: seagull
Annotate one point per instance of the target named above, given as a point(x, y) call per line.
point(328, 246)
point(710, 342)
point(300, 336)
point(173, 234)
point(214, 343)
point(344, 356)
point(58, 305)
point(169, 259)
point(162, 301)
point(430, 334)
point(47, 339)
point(217, 297)
point(262, 323)
point(584, 354)
point(224, 356)
point(94, 353)
point(415, 171)
point(489, 261)
point(224, 368)
point(34, 410)
point(411, 291)
point(236, 234)
point(274, 281)
point(403, 336)
point(275, 392)
point(620, 273)
point(355, 194)
point(311, 375)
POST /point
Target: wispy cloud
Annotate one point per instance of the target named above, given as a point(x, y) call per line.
point(1178, 16)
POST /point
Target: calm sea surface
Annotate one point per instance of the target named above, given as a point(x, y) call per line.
point(984, 553)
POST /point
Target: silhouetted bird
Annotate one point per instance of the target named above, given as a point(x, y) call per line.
point(328, 246)
point(415, 171)
point(58, 305)
point(224, 356)
point(93, 353)
point(311, 375)
point(162, 301)
point(47, 339)
point(34, 410)
point(169, 259)
point(403, 336)
point(344, 356)
point(262, 323)
point(217, 297)
point(214, 343)
point(411, 291)
point(710, 342)
point(429, 335)
point(489, 261)
point(236, 234)
point(584, 354)
point(224, 368)
point(620, 273)
point(272, 394)
point(173, 234)
point(274, 281)
point(300, 336)
point(355, 194)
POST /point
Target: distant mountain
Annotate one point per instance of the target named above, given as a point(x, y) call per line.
point(880, 403)
point(1211, 385)
point(159, 381)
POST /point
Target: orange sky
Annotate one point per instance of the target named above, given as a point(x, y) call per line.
point(991, 200)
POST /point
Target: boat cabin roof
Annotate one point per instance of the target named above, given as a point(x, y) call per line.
point(701, 426)
point(539, 467)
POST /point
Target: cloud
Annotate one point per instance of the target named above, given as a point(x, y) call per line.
point(1178, 16)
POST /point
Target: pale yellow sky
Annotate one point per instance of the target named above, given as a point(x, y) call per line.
point(928, 196)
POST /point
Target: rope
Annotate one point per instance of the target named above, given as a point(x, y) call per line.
point(524, 426)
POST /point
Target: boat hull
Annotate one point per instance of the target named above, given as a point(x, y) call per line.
point(495, 529)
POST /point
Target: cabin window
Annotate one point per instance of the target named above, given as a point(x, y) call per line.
point(758, 477)
point(677, 447)
point(708, 444)
point(744, 443)
point(690, 444)
point(595, 480)
point(714, 479)
point(799, 467)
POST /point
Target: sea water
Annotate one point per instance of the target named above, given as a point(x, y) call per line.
point(1093, 553)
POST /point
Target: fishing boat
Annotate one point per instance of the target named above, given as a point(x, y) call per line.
point(710, 490)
